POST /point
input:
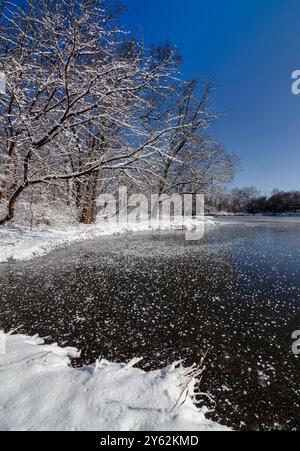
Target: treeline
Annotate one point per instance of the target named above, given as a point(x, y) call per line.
point(249, 200)
point(282, 202)
point(88, 108)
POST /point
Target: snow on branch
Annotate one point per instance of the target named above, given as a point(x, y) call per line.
point(81, 100)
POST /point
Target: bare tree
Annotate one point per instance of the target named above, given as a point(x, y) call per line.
point(191, 160)
point(72, 77)
point(86, 107)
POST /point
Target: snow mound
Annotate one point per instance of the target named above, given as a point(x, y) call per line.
point(40, 391)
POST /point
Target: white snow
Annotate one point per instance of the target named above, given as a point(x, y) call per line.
point(40, 391)
point(24, 243)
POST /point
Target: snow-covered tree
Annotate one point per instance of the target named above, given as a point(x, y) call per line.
point(86, 106)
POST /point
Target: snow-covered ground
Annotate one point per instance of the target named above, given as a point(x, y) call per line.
point(40, 391)
point(23, 242)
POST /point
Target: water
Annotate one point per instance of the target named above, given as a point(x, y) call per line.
point(236, 294)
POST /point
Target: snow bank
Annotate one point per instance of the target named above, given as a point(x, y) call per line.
point(24, 243)
point(40, 391)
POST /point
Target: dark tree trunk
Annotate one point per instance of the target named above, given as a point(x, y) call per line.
point(89, 209)
point(11, 209)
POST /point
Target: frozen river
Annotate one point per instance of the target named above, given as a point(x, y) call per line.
point(236, 293)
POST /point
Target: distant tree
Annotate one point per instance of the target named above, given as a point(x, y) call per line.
point(278, 202)
point(257, 205)
point(239, 198)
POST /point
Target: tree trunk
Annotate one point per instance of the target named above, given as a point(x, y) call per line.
point(11, 209)
point(89, 210)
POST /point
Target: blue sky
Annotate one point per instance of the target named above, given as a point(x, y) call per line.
point(250, 48)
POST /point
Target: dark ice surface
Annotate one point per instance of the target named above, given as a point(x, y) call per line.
point(236, 293)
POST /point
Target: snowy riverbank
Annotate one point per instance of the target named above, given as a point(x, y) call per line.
point(40, 391)
point(24, 243)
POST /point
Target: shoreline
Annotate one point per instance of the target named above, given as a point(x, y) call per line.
point(24, 243)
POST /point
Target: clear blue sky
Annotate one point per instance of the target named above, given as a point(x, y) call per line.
point(250, 48)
